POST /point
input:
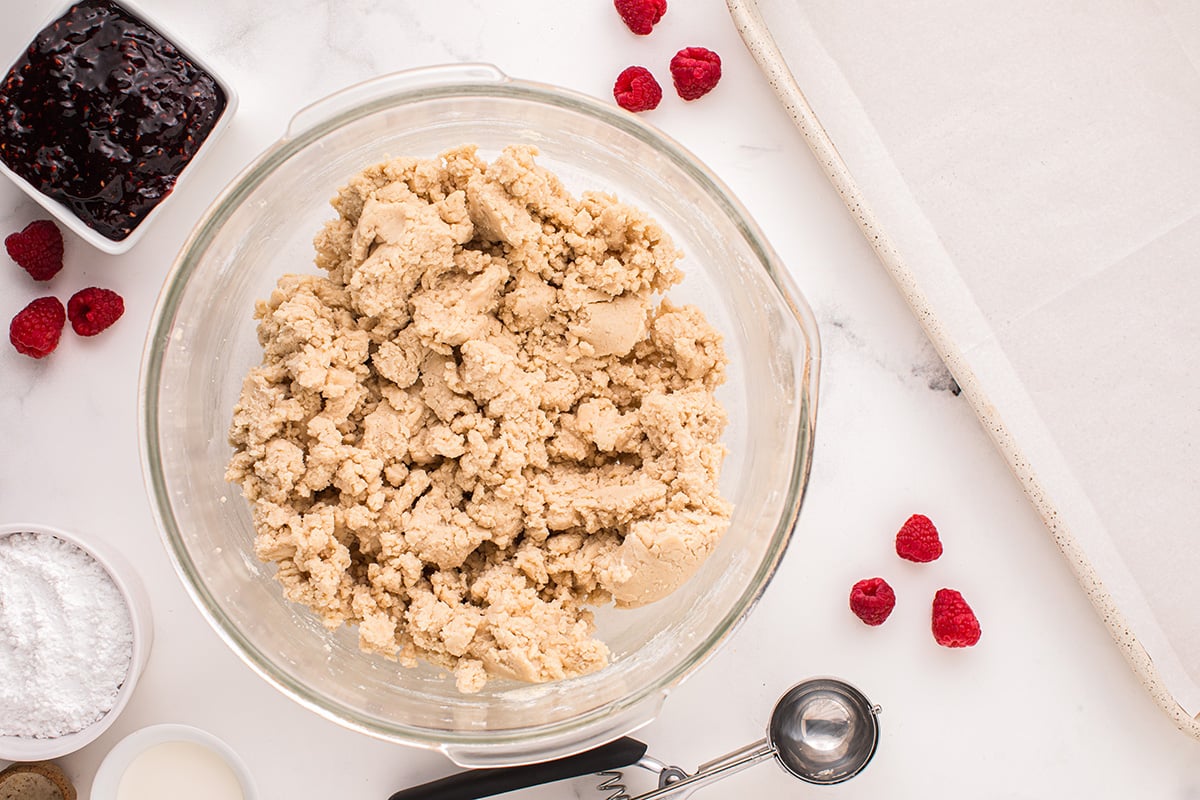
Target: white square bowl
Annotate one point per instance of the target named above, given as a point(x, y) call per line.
point(62, 212)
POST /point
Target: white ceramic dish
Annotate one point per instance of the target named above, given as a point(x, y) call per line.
point(112, 768)
point(22, 748)
point(64, 214)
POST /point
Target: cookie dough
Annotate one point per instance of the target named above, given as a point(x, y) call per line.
point(481, 422)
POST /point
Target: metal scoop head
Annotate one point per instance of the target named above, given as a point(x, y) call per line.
point(824, 731)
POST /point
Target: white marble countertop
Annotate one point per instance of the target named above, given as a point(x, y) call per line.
point(1043, 707)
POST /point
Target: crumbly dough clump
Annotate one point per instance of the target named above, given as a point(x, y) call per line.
point(481, 423)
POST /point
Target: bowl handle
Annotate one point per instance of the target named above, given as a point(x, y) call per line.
point(610, 728)
point(360, 93)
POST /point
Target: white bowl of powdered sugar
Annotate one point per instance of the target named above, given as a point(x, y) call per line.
point(75, 632)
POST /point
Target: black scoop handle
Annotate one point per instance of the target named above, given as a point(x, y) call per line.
point(476, 783)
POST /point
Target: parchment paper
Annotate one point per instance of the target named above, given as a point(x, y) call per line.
point(1037, 166)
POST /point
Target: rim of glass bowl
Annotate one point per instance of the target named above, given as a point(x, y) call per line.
point(201, 238)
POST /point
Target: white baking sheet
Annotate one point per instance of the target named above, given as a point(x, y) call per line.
point(1037, 169)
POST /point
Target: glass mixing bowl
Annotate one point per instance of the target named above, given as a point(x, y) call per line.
point(202, 341)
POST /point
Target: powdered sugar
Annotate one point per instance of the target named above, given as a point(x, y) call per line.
point(66, 637)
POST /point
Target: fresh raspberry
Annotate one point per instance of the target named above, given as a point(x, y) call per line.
point(38, 249)
point(35, 330)
point(918, 540)
point(93, 309)
point(872, 600)
point(954, 623)
point(641, 15)
point(636, 90)
point(695, 71)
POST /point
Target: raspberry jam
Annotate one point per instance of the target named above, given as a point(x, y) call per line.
point(102, 113)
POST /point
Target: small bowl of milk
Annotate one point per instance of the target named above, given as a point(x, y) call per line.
point(176, 761)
